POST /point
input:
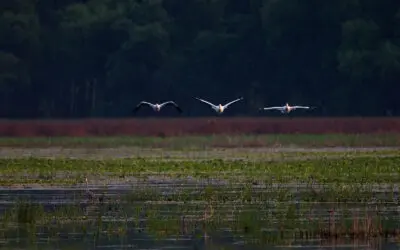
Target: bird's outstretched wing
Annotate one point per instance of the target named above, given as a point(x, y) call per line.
point(172, 103)
point(140, 104)
point(300, 107)
point(229, 103)
point(209, 103)
point(272, 108)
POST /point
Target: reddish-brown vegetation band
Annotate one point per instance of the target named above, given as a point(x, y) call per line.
point(196, 126)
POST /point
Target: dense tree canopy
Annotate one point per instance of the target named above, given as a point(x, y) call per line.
point(99, 58)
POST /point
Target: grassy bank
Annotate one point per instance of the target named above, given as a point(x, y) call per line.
point(201, 142)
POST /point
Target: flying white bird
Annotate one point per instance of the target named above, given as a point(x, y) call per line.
point(157, 107)
point(219, 108)
point(287, 108)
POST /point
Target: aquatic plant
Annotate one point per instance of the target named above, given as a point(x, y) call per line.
point(261, 202)
point(270, 221)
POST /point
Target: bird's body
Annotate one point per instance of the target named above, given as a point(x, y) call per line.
point(157, 107)
point(219, 108)
point(286, 108)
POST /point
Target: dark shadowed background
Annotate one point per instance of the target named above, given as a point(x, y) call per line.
point(99, 58)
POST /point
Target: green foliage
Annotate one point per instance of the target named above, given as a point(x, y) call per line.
point(100, 57)
point(342, 170)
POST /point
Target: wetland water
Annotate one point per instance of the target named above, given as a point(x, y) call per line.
point(67, 218)
point(168, 213)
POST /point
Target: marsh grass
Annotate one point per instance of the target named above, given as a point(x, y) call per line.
point(202, 142)
point(341, 171)
point(257, 221)
point(265, 202)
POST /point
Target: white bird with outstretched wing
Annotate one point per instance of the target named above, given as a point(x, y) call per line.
point(286, 108)
point(219, 108)
point(157, 107)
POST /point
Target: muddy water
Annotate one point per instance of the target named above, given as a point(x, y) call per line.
point(118, 223)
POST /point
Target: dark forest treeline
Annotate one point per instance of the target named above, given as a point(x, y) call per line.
point(71, 58)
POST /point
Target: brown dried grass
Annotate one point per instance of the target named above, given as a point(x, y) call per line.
point(197, 126)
